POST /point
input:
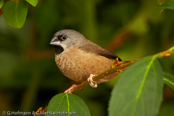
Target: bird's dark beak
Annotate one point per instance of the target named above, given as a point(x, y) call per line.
point(55, 42)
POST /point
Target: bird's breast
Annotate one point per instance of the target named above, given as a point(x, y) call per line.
point(77, 64)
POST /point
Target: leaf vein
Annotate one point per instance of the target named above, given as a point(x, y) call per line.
point(142, 84)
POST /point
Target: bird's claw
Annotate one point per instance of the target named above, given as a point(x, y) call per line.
point(69, 90)
point(92, 83)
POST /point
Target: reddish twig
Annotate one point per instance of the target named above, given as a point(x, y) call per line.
point(120, 67)
point(118, 40)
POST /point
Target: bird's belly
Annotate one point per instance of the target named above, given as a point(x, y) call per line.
point(79, 65)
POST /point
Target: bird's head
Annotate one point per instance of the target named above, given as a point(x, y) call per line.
point(65, 39)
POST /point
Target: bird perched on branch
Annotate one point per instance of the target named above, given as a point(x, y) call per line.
point(79, 59)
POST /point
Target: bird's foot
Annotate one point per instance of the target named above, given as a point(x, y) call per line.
point(69, 90)
point(92, 83)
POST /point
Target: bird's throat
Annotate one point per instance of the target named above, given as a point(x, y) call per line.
point(58, 49)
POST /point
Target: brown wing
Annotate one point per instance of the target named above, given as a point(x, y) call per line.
point(94, 48)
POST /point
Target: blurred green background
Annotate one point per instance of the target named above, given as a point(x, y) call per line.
point(131, 29)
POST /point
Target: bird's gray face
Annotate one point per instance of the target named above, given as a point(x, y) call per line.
point(65, 39)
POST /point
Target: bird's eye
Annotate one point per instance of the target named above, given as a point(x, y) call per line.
point(62, 37)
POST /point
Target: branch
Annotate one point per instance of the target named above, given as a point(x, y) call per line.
point(117, 68)
point(40, 111)
point(118, 39)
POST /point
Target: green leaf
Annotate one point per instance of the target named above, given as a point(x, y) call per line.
point(171, 49)
point(65, 103)
point(168, 79)
point(138, 92)
point(32, 2)
point(1, 3)
point(168, 4)
point(15, 13)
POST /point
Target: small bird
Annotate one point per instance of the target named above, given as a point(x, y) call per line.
point(79, 59)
